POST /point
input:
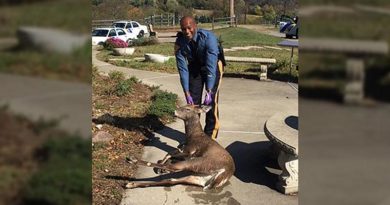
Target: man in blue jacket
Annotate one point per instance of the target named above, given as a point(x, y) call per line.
point(197, 56)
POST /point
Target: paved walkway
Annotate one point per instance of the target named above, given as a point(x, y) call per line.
point(245, 105)
point(50, 99)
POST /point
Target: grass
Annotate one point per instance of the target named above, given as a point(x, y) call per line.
point(343, 2)
point(250, 19)
point(231, 37)
point(357, 25)
point(74, 67)
point(38, 14)
point(244, 37)
point(326, 71)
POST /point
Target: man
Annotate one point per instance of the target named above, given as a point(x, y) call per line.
point(197, 56)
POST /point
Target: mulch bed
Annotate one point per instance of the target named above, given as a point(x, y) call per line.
point(120, 127)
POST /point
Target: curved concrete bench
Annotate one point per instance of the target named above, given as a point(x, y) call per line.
point(50, 39)
point(156, 58)
point(282, 130)
point(264, 63)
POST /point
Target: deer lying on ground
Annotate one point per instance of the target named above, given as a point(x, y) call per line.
point(210, 164)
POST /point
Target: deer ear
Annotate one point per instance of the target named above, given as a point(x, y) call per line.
point(205, 108)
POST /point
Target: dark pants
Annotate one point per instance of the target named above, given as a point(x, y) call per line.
point(197, 80)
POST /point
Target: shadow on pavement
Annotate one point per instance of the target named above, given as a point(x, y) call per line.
point(283, 77)
point(146, 125)
point(172, 134)
point(251, 161)
point(174, 175)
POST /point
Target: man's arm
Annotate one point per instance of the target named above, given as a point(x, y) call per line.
point(211, 60)
point(182, 66)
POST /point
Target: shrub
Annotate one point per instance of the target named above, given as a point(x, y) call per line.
point(114, 43)
point(116, 75)
point(65, 177)
point(144, 41)
point(163, 104)
point(125, 87)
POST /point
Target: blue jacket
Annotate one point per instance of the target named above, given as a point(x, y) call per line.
point(206, 56)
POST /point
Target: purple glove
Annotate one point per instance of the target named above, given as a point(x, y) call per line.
point(189, 99)
point(208, 99)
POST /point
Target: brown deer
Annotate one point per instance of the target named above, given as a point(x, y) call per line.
point(210, 164)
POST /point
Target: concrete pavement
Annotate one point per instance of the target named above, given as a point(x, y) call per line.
point(245, 105)
point(49, 99)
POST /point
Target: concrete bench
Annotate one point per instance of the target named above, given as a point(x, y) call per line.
point(356, 51)
point(264, 63)
point(282, 130)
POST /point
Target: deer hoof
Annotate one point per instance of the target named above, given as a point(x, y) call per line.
point(131, 185)
point(131, 160)
point(160, 171)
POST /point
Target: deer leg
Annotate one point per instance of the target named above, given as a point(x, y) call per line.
point(191, 180)
point(168, 167)
point(175, 154)
point(133, 160)
point(194, 165)
point(165, 159)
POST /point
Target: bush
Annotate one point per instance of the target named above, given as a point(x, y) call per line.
point(144, 41)
point(114, 43)
point(163, 104)
point(125, 87)
point(65, 177)
point(116, 75)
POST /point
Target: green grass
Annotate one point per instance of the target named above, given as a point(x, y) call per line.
point(244, 37)
point(72, 15)
point(343, 2)
point(163, 49)
point(251, 19)
point(167, 67)
point(74, 67)
point(327, 71)
point(231, 37)
point(69, 15)
point(358, 25)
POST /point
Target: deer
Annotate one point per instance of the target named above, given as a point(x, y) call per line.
point(210, 165)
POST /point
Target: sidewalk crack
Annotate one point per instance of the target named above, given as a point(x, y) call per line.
point(166, 198)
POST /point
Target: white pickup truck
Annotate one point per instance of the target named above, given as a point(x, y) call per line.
point(132, 27)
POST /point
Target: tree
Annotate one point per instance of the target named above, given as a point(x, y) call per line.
point(258, 10)
point(135, 13)
point(269, 13)
point(111, 9)
point(239, 8)
point(172, 5)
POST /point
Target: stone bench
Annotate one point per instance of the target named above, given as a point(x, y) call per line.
point(282, 130)
point(264, 63)
point(356, 51)
point(50, 39)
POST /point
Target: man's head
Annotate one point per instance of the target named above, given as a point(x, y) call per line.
point(188, 26)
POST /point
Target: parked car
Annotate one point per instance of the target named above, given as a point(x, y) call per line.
point(289, 26)
point(283, 20)
point(100, 35)
point(132, 27)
